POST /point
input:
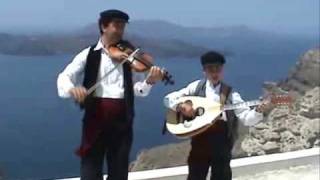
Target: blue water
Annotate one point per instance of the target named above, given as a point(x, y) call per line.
point(39, 131)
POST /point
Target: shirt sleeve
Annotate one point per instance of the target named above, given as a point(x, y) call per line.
point(141, 87)
point(69, 77)
point(171, 99)
point(249, 117)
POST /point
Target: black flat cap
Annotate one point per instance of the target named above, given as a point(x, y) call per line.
point(114, 13)
point(212, 57)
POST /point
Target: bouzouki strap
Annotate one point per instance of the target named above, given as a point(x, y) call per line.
point(225, 91)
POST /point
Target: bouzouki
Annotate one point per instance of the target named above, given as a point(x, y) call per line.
point(207, 112)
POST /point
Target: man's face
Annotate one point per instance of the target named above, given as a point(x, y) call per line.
point(213, 72)
point(115, 29)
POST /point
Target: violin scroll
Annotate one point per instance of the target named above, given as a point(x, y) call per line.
point(142, 61)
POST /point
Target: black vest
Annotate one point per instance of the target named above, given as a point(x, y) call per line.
point(225, 91)
point(90, 78)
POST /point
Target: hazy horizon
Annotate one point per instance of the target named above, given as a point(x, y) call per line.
point(286, 16)
point(41, 30)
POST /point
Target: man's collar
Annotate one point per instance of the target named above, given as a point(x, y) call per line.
point(99, 45)
point(216, 86)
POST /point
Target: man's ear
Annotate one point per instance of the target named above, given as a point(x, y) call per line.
point(103, 28)
point(204, 73)
point(203, 70)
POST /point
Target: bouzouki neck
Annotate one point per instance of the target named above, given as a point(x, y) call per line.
point(242, 105)
point(274, 100)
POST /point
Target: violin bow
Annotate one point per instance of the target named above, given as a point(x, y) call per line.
point(129, 59)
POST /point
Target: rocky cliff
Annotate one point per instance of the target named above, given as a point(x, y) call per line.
point(283, 129)
point(306, 74)
point(287, 129)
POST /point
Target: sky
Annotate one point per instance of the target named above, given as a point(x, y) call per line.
point(288, 16)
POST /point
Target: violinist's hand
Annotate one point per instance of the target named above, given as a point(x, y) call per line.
point(79, 94)
point(118, 55)
point(155, 74)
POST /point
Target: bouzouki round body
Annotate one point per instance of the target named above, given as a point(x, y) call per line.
point(207, 112)
point(188, 128)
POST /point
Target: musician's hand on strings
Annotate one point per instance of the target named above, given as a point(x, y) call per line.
point(79, 93)
point(186, 109)
point(155, 74)
point(264, 107)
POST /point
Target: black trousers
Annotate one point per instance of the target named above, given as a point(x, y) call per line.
point(113, 145)
point(210, 150)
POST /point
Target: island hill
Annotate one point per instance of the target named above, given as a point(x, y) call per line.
point(282, 129)
point(159, 38)
point(71, 44)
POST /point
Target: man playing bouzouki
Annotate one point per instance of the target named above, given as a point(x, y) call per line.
point(109, 110)
point(213, 147)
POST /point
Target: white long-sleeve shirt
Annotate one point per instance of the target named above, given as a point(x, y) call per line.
point(248, 116)
point(111, 87)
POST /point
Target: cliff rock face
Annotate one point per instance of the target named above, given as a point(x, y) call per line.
point(286, 129)
point(306, 74)
point(162, 156)
point(283, 129)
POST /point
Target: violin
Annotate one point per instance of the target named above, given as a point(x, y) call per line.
point(141, 62)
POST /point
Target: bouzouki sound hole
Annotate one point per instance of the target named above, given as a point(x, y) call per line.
point(187, 121)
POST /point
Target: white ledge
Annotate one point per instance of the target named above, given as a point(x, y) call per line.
point(241, 166)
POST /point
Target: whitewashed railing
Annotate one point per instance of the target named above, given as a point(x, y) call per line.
point(241, 166)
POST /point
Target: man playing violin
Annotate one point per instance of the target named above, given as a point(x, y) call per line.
point(213, 147)
point(109, 110)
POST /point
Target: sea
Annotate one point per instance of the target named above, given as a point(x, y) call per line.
point(39, 131)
